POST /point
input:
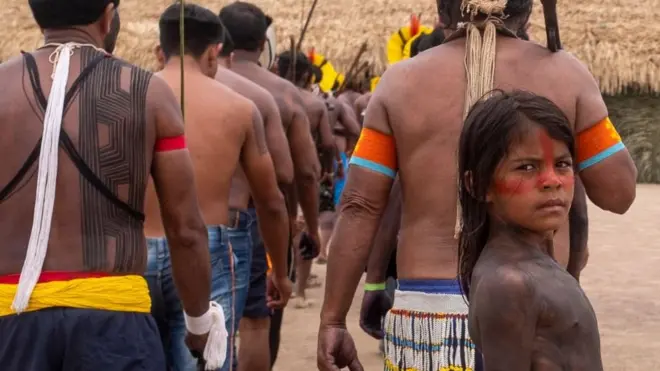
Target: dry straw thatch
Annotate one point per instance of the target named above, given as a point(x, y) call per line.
point(617, 39)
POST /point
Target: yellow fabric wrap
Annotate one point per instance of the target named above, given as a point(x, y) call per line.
point(331, 78)
point(114, 293)
point(398, 40)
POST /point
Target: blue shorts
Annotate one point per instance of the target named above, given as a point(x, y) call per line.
point(256, 304)
point(229, 250)
point(59, 339)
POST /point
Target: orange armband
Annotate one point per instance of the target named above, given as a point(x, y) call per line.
point(170, 143)
point(377, 152)
point(597, 143)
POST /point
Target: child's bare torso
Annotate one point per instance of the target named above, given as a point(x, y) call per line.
point(552, 312)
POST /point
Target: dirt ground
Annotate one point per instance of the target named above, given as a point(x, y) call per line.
point(622, 281)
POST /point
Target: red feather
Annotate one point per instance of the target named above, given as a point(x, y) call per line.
point(311, 55)
point(414, 25)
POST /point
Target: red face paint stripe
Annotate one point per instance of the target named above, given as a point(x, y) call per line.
point(171, 143)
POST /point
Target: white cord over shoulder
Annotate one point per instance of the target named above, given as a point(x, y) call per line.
point(46, 182)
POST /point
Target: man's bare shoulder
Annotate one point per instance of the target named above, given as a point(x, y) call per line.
point(314, 102)
point(227, 99)
point(243, 85)
point(411, 78)
point(11, 64)
point(567, 63)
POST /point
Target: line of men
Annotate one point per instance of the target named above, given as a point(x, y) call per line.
point(217, 200)
point(289, 142)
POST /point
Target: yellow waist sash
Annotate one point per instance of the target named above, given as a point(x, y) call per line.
point(114, 293)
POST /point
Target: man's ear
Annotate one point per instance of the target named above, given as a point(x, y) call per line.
point(216, 52)
point(160, 56)
point(230, 60)
point(106, 20)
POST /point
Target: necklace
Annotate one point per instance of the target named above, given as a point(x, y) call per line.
point(54, 57)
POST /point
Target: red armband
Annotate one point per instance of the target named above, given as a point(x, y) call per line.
point(171, 143)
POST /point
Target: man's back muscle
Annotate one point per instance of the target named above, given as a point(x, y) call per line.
point(215, 130)
point(109, 127)
point(426, 128)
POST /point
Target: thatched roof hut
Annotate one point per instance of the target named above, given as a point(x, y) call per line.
point(618, 40)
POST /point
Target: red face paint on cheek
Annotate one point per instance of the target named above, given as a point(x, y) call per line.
point(514, 185)
point(548, 175)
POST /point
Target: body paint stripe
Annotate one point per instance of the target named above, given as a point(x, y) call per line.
point(371, 165)
point(601, 156)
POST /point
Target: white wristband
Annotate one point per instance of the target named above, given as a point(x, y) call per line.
point(213, 323)
point(199, 325)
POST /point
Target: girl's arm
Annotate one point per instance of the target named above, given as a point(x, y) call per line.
point(505, 311)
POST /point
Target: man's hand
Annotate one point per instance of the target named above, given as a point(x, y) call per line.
point(278, 291)
point(375, 304)
point(336, 350)
point(196, 344)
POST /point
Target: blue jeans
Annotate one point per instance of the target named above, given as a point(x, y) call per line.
point(230, 250)
point(256, 305)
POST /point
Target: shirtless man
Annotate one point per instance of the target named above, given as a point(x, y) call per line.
point(120, 125)
point(346, 131)
point(351, 92)
point(244, 232)
point(416, 135)
point(246, 25)
point(317, 112)
point(360, 106)
point(221, 126)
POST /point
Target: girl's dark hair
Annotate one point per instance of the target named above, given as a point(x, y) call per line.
point(490, 128)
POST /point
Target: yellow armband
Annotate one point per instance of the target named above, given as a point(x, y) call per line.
point(597, 143)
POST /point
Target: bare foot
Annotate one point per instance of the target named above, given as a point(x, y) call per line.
point(302, 303)
point(314, 282)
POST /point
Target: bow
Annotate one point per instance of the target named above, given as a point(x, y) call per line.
point(551, 24)
point(182, 50)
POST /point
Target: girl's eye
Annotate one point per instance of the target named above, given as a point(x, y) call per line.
point(564, 164)
point(526, 167)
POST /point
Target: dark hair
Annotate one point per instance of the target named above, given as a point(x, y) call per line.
point(317, 72)
point(427, 41)
point(227, 43)
point(202, 29)
point(303, 67)
point(490, 128)
point(246, 23)
point(68, 13)
point(450, 11)
point(522, 34)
